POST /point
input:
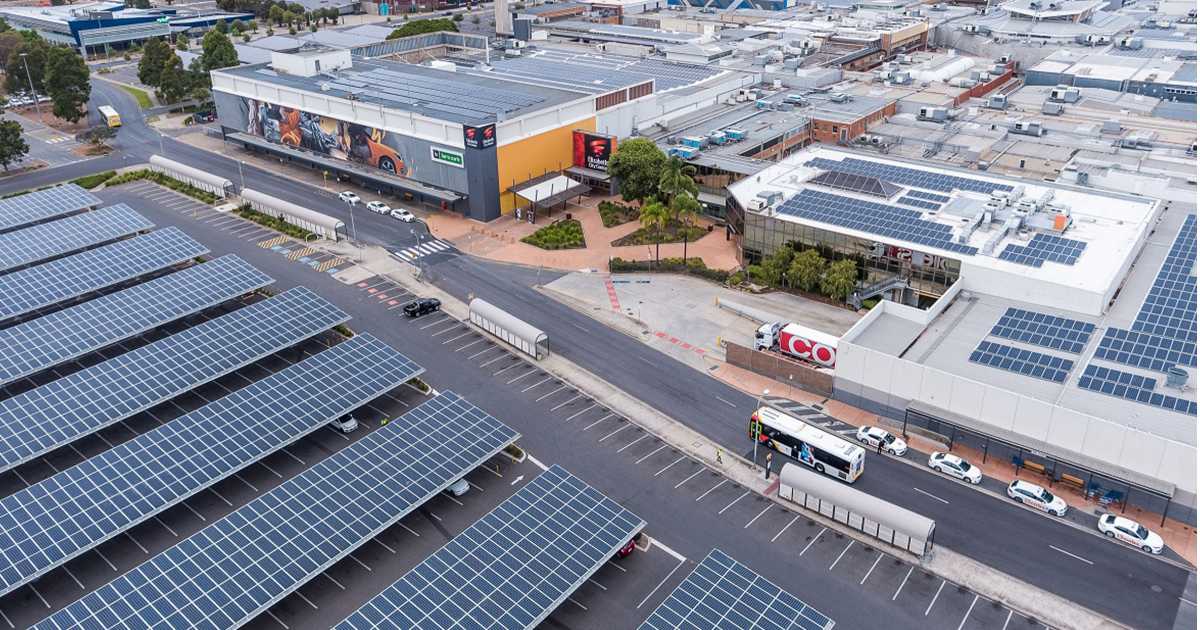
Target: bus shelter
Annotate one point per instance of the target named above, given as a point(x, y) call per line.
point(191, 175)
point(311, 220)
point(515, 331)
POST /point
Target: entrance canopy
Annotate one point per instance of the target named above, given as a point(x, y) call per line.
point(549, 190)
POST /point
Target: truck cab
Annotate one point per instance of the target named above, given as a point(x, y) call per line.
point(767, 336)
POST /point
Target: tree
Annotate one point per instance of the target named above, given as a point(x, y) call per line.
point(655, 216)
point(840, 279)
point(676, 178)
point(457, 17)
point(31, 69)
point(175, 82)
point(237, 27)
point(806, 270)
point(775, 265)
point(4, 27)
point(221, 27)
point(252, 25)
point(295, 7)
point(67, 83)
point(276, 15)
point(218, 51)
point(332, 15)
point(638, 165)
point(12, 143)
point(685, 208)
point(154, 55)
point(420, 27)
point(181, 42)
point(9, 41)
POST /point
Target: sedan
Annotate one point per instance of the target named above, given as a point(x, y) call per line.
point(378, 207)
point(956, 467)
point(422, 306)
point(1036, 496)
point(1130, 532)
point(348, 197)
point(874, 436)
point(403, 215)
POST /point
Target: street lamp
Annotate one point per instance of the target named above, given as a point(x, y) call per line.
point(242, 173)
point(36, 106)
point(758, 424)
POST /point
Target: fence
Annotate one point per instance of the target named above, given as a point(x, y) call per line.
point(780, 368)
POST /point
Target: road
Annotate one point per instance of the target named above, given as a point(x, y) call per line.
point(1123, 583)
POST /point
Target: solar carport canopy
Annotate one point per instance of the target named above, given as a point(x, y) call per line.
point(47, 240)
point(50, 522)
point(42, 343)
point(61, 411)
point(513, 567)
point(724, 593)
point(41, 205)
point(48, 284)
point(239, 566)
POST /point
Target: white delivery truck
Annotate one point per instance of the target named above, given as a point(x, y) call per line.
point(798, 342)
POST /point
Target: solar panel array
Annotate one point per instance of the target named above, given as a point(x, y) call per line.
point(237, 567)
point(41, 205)
point(1041, 329)
point(1027, 362)
point(52, 339)
point(1043, 248)
point(856, 183)
point(47, 284)
point(1132, 387)
point(463, 101)
point(61, 411)
point(1170, 306)
point(875, 218)
point(513, 567)
point(906, 176)
point(50, 522)
point(724, 593)
point(928, 196)
point(919, 203)
point(47, 240)
point(1149, 352)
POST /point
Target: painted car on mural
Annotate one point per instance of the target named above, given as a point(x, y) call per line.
point(366, 145)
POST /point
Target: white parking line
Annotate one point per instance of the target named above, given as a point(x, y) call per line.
point(436, 322)
point(278, 621)
point(68, 572)
point(514, 380)
point(598, 421)
point(633, 442)
point(935, 597)
point(471, 344)
point(701, 469)
point(932, 496)
point(659, 585)
point(564, 404)
point(722, 482)
point(647, 455)
point(560, 388)
point(6, 619)
point(812, 542)
point(622, 428)
point(505, 369)
point(764, 511)
point(581, 411)
point(872, 569)
point(1006, 620)
point(491, 361)
point(964, 619)
point(902, 583)
point(794, 519)
point(1064, 551)
point(839, 558)
point(732, 502)
point(444, 331)
point(39, 595)
point(536, 384)
point(681, 458)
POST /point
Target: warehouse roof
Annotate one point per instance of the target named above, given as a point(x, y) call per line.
point(599, 72)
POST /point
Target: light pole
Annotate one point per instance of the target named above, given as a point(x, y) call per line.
point(36, 106)
point(353, 230)
point(758, 424)
point(242, 173)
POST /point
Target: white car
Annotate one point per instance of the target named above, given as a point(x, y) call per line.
point(378, 207)
point(348, 197)
point(403, 215)
point(1130, 532)
point(459, 488)
point(956, 467)
point(345, 424)
point(873, 436)
point(1036, 496)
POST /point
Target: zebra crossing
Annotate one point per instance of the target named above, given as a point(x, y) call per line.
point(409, 254)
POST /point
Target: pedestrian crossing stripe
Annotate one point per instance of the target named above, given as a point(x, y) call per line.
point(272, 243)
point(409, 254)
point(57, 139)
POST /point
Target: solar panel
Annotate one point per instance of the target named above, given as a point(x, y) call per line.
point(47, 284)
point(724, 593)
point(1044, 248)
point(1040, 329)
point(928, 196)
point(42, 343)
point(1149, 352)
point(875, 218)
point(1132, 387)
point(51, 522)
point(856, 183)
point(40, 205)
point(240, 565)
point(919, 203)
point(61, 411)
point(47, 240)
point(1027, 362)
point(517, 564)
point(1170, 307)
point(906, 176)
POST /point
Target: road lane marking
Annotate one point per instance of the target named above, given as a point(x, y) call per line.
point(932, 496)
point(647, 455)
point(764, 511)
point(872, 569)
point(721, 483)
point(685, 480)
point(902, 583)
point(633, 442)
point(810, 543)
point(935, 598)
point(681, 458)
point(839, 558)
point(725, 401)
point(1065, 552)
point(794, 519)
point(972, 607)
point(656, 587)
point(732, 502)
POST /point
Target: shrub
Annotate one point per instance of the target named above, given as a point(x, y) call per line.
point(565, 234)
point(736, 278)
point(674, 233)
point(694, 266)
point(165, 181)
point(614, 214)
point(92, 181)
point(343, 330)
point(275, 223)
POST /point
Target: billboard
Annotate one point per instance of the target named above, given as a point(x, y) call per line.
point(593, 150)
point(808, 344)
point(479, 137)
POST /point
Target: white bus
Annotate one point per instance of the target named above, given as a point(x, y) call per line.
point(821, 451)
point(110, 116)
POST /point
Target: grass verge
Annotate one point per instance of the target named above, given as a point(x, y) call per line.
point(142, 98)
point(94, 180)
point(275, 223)
point(168, 182)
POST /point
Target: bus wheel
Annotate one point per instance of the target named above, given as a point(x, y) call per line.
point(819, 468)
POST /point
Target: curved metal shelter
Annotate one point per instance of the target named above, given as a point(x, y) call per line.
point(516, 332)
point(311, 220)
point(886, 521)
point(203, 180)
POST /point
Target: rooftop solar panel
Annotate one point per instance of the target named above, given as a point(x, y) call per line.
point(47, 240)
point(518, 563)
point(40, 205)
point(51, 522)
point(1026, 362)
point(1040, 329)
point(872, 217)
point(42, 419)
point(724, 593)
point(47, 284)
point(1132, 387)
point(1044, 248)
point(907, 176)
point(42, 343)
point(240, 565)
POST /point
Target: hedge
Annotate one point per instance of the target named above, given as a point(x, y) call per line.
point(275, 223)
point(166, 181)
point(694, 266)
point(92, 181)
point(614, 214)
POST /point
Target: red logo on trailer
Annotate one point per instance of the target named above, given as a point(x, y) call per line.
point(802, 347)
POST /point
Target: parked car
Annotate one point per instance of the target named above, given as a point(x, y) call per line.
point(348, 197)
point(403, 215)
point(422, 306)
point(345, 424)
point(625, 551)
point(956, 467)
point(379, 207)
point(1036, 496)
point(459, 488)
point(1130, 532)
point(873, 436)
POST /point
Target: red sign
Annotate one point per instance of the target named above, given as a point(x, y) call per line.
point(592, 150)
point(479, 137)
point(807, 349)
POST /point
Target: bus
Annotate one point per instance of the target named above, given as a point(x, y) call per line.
point(824, 452)
point(110, 115)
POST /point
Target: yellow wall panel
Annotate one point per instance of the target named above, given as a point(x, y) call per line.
point(525, 159)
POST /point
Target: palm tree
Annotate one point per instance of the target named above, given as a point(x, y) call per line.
point(685, 209)
point(676, 178)
point(655, 215)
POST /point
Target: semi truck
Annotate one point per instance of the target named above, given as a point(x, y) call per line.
point(798, 342)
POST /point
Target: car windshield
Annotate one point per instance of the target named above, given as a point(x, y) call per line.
point(1044, 495)
point(963, 466)
point(1141, 532)
point(889, 438)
